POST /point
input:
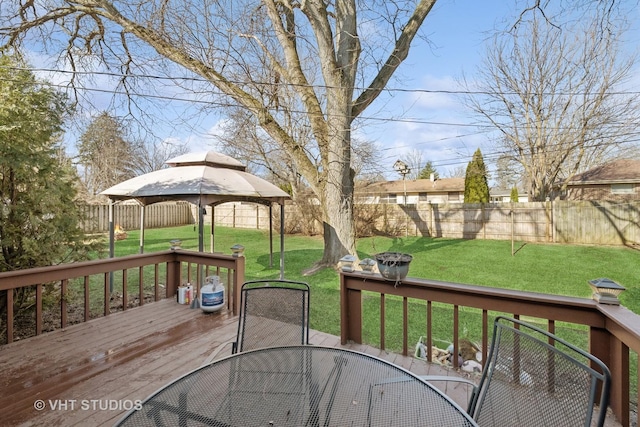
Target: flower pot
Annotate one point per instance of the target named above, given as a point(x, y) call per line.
point(393, 266)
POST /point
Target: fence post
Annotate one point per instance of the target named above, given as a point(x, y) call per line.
point(547, 211)
point(482, 216)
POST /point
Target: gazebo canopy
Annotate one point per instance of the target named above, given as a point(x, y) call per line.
point(205, 178)
point(202, 178)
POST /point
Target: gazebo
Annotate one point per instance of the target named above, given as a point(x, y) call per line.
point(204, 179)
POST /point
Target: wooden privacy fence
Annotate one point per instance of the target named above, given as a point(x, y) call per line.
point(604, 223)
point(128, 216)
point(577, 222)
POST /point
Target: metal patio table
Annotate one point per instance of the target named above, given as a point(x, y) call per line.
point(299, 386)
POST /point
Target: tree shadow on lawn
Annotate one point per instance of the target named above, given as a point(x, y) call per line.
point(305, 260)
point(418, 245)
point(294, 258)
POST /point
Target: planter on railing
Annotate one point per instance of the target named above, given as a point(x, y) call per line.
point(393, 266)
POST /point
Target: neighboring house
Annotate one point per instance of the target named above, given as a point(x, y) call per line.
point(618, 181)
point(503, 195)
point(444, 190)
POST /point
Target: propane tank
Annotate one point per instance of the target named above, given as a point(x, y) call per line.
point(212, 294)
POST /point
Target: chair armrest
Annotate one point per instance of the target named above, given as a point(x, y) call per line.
point(214, 355)
point(430, 378)
point(444, 378)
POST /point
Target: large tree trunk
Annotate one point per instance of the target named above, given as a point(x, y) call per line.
point(338, 224)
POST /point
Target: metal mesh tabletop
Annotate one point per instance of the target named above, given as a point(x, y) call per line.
point(299, 386)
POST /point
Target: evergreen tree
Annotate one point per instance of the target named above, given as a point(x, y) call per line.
point(514, 195)
point(428, 169)
point(476, 187)
point(39, 216)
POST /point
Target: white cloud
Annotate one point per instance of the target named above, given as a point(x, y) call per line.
point(438, 93)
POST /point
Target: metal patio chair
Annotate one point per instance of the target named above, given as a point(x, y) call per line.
point(272, 313)
point(533, 377)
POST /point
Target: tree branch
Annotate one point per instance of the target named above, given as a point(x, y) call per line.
point(396, 57)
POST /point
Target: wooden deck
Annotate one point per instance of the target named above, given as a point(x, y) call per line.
point(91, 373)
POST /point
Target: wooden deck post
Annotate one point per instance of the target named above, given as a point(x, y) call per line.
point(619, 367)
point(238, 280)
point(173, 277)
point(350, 313)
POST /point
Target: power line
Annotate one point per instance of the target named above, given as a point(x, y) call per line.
point(226, 104)
point(258, 83)
point(495, 155)
point(442, 162)
point(237, 105)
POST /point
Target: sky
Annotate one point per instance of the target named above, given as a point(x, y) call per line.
point(458, 31)
point(434, 124)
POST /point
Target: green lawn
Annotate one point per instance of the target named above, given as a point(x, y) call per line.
point(546, 268)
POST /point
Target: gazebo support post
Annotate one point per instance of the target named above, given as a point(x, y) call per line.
point(281, 240)
point(213, 225)
point(112, 244)
point(271, 235)
point(142, 214)
point(200, 227)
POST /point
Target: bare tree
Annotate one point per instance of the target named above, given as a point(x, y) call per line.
point(105, 154)
point(508, 173)
point(150, 155)
point(556, 97)
point(413, 159)
point(366, 159)
point(457, 172)
point(244, 139)
point(236, 45)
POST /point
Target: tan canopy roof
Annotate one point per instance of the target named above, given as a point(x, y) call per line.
point(207, 178)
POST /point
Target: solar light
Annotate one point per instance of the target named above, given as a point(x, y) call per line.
point(346, 263)
point(606, 291)
point(367, 265)
point(237, 250)
point(175, 244)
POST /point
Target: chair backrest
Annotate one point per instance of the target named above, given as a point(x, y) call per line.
point(272, 313)
point(533, 377)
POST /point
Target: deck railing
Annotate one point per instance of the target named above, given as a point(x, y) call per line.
point(612, 330)
point(98, 288)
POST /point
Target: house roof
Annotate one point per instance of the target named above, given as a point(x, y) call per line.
point(617, 171)
point(506, 192)
point(416, 186)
